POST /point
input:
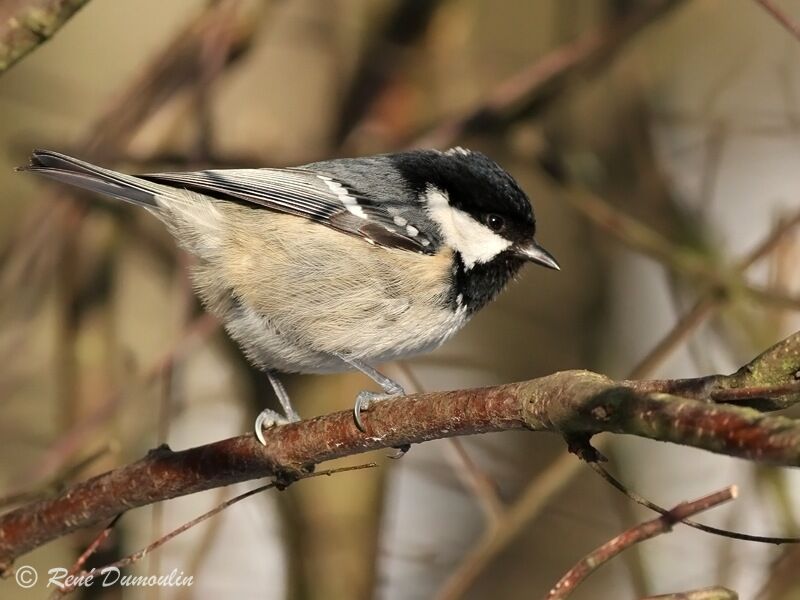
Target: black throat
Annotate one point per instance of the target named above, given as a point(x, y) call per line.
point(474, 288)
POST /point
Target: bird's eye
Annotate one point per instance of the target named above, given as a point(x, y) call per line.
point(495, 222)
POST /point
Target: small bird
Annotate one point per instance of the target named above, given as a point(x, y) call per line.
point(339, 264)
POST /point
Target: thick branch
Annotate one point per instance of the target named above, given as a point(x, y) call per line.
point(572, 403)
point(25, 24)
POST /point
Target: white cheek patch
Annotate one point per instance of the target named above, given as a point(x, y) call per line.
point(475, 242)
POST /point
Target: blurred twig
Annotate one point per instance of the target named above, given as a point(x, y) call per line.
point(176, 67)
point(535, 86)
point(58, 480)
point(710, 593)
point(482, 485)
point(708, 303)
point(788, 23)
point(649, 242)
point(509, 524)
point(26, 24)
point(575, 404)
point(66, 445)
point(663, 524)
point(380, 59)
point(215, 49)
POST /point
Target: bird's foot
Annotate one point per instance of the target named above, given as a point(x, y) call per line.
point(363, 401)
point(365, 398)
point(268, 418)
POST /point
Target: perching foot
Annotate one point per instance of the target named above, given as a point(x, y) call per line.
point(365, 398)
point(268, 418)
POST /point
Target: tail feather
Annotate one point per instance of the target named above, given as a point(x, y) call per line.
point(67, 169)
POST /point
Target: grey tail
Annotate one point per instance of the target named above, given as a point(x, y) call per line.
point(90, 177)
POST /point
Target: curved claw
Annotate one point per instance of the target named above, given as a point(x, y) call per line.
point(365, 398)
point(268, 418)
point(362, 403)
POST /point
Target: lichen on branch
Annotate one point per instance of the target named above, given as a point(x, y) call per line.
point(26, 24)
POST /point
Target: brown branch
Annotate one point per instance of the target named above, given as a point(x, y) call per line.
point(575, 404)
point(26, 24)
point(644, 531)
point(788, 23)
point(501, 531)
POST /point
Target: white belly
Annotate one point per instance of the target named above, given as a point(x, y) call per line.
point(293, 293)
point(269, 349)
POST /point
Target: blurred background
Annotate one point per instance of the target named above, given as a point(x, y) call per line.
point(659, 142)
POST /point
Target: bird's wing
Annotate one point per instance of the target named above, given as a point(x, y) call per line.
point(308, 194)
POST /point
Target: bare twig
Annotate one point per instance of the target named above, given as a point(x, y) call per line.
point(137, 556)
point(86, 554)
point(762, 539)
point(26, 24)
point(639, 533)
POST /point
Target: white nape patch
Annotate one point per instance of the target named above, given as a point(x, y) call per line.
point(350, 203)
point(474, 241)
point(458, 150)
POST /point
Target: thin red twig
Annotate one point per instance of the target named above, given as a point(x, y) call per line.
point(644, 531)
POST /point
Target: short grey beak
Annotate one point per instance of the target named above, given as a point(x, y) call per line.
point(535, 253)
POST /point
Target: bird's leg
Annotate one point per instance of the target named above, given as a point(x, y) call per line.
point(390, 388)
point(270, 418)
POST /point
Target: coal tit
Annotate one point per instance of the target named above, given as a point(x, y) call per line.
point(337, 264)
